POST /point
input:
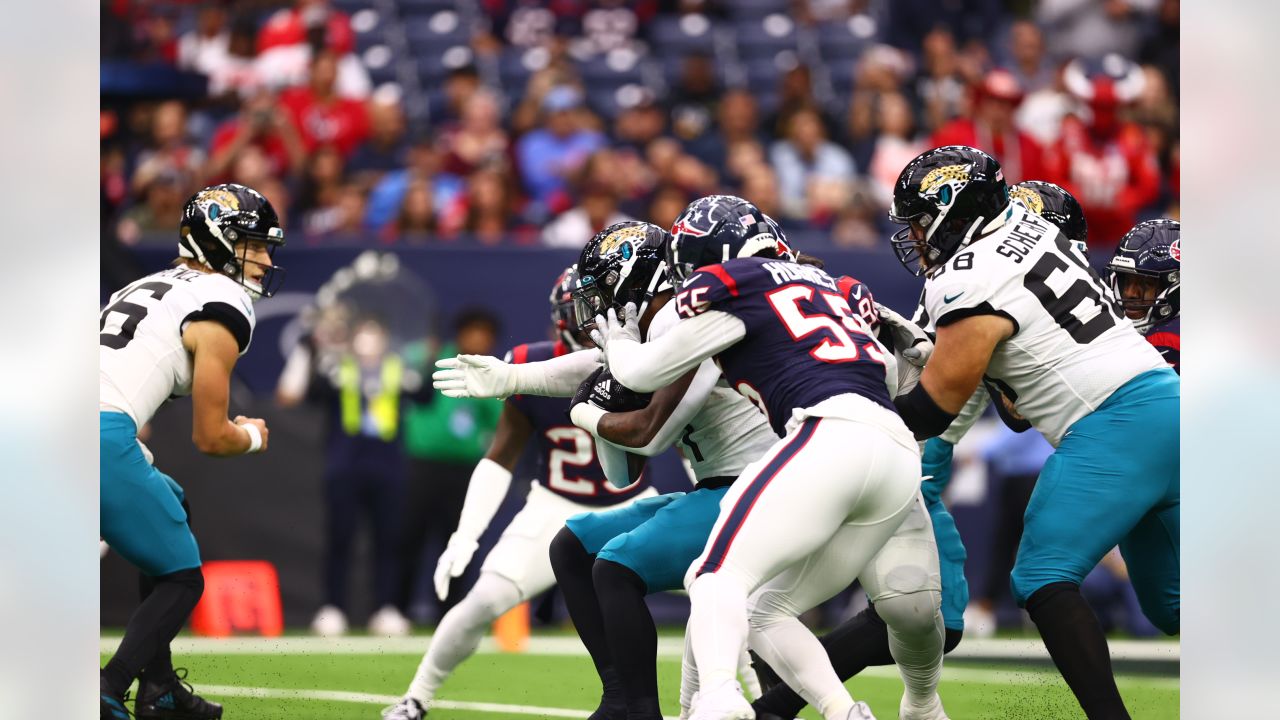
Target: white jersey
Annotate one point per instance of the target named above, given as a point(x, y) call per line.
point(142, 361)
point(1071, 346)
point(728, 432)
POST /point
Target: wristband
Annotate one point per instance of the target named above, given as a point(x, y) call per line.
point(586, 416)
point(255, 437)
point(921, 414)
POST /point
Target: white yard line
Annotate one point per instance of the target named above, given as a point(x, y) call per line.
point(668, 646)
point(374, 699)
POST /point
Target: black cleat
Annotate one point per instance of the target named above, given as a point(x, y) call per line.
point(173, 699)
point(113, 707)
point(765, 674)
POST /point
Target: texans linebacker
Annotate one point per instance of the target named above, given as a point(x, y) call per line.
point(1146, 275)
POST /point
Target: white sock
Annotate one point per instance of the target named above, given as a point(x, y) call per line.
point(688, 673)
point(717, 626)
point(916, 638)
point(460, 632)
point(798, 657)
point(747, 676)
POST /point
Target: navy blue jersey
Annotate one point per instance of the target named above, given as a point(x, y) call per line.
point(804, 342)
point(1167, 338)
point(560, 455)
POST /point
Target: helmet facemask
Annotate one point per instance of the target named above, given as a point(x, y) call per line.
point(1158, 310)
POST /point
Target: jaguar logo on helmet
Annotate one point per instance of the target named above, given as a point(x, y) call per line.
point(1028, 197)
point(622, 239)
point(944, 183)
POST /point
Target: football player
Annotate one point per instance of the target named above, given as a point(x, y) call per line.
point(1145, 275)
point(1011, 300)
point(606, 562)
point(862, 640)
point(787, 339)
point(568, 480)
point(176, 332)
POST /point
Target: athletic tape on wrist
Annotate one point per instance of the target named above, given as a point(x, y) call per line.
point(255, 437)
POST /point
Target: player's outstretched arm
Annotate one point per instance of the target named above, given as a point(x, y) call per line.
point(488, 486)
point(483, 376)
point(960, 357)
point(646, 367)
point(214, 352)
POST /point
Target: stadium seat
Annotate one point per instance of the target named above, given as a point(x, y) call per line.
point(845, 39)
point(611, 70)
point(369, 27)
point(434, 66)
point(444, 29)
point(411, 8)
point(351, 7)
point(381, 63)
point(671, 35)
point(757, 9)
point(765, 37)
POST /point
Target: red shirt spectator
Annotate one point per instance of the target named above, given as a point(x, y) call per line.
point(1107, 163)
point(991, 129)
point(285, 47)
point(264, 125)
point(1113, 176)
point(291, 25)
point(323, 118)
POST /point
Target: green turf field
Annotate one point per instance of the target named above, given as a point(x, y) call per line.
point(319, 686)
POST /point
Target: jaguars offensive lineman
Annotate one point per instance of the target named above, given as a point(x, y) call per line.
point(1012, 302)
point(176, 332)
point(567, 480)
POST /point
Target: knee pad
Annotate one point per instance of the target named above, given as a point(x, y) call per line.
point(911, 613)
point(191, 579)
point(607, 573)
point(492, 595)
point(567, 550)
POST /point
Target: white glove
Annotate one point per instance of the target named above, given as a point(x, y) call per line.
point(474, 376)
point(909, 341)
point(609, 327)
point(453, 562)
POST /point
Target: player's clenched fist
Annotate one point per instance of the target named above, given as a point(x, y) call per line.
point(257, 430)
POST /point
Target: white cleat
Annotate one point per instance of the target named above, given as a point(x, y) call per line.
point(388, 622)
point(329, 622)
point(860, 711)
point(930, 711)
point(722, 702)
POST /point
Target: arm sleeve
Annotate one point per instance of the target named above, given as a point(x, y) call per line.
point(613, 460)
point(485, 492)
point(704, 381)
point(645, 367)
point(557, 377)
point(969, 415)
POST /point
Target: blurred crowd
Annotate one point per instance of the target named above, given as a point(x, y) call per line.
point(513, 122)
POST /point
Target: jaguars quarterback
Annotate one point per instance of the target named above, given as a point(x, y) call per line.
point(1011, 302)
point(567, 480)
point(176, 332)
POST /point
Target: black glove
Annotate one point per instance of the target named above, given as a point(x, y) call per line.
point(606, 393)
point(583, 393)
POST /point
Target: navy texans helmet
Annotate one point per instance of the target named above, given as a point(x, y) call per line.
point(1055, 204)
point(221, 217)
point(944, 197)
point(1146, 273)
point(562, 314)
point(624, 263)
point(717, 228)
